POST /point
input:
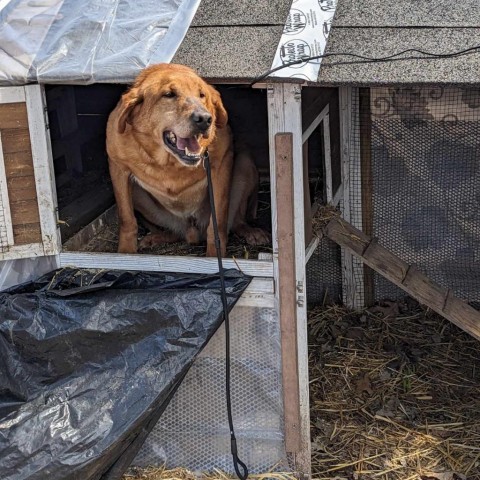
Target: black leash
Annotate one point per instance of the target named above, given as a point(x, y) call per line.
point(240, 468)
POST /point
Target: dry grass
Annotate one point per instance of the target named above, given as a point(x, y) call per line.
point(395, 395)
point(321, 217)
point(106, 240)
point(162, 473)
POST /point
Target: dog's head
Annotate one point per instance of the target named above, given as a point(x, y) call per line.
point(176, 108)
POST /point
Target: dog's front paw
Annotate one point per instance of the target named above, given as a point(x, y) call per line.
point(146, 242)
point(257, 236)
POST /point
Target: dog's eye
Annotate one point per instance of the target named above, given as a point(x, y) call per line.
point(202, 95)
point(169, 94)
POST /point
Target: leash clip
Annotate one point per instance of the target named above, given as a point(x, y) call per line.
point(205, 157)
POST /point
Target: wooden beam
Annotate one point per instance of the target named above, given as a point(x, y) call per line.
point(367, 184)
point(287, 289)
point(405, 276)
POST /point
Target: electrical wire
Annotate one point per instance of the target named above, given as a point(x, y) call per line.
point(366, 59)
point(240, 468)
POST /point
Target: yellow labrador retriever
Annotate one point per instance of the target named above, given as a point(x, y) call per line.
point(156, 139)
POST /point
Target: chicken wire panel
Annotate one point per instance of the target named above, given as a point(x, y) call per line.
point(324, 274)
point(193, 431)
point(424, 181)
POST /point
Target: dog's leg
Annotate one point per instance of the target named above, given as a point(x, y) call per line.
point(221, 180)
point(122, 189)
point(244, 201)
point(157, 217)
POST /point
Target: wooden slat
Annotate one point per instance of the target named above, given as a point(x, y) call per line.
point(16, 140)
point(27, 233)
point(43, 167)
point(18, 164)
point(367, 184)
point(287, 289)
point(163, 263)
point(13, 115)
point(407, 277)
point(24, 211)
point(21, 188)
point(12, 94)
point(293, 123)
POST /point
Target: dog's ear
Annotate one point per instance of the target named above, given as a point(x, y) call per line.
point(221, 116)
point(130, 100)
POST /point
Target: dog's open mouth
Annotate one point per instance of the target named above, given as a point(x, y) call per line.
point(186, 149)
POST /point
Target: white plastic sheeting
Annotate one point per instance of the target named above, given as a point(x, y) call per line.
point(14, 272)
point(88, 41)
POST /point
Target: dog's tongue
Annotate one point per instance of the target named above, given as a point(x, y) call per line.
point(190, 143)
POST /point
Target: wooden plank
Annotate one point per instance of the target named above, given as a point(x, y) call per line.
point(338, 195)
point(12, 94)
point(82, 210)
point(43, 166)
point(27, 233)
point(327, 160)
point(356, 187)
point(82, 237)
point(287, 289)
point(22, 251)
point(21, 188)
point(348, 280)
point(407, 277)
point(293, 123)
point(16, 140)
point(163, 263)
point(24, 211)
point(13, 115)
point(18, 164)
point(311, 248)
point(316, 122)
point(276, 124)
point(367, 185)
point(352, 268)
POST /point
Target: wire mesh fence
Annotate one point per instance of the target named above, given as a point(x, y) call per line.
point(414, 182)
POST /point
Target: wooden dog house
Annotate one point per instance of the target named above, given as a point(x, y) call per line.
point(296, 127)
point(45, 132)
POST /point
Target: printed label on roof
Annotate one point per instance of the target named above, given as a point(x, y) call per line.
point(304, 35)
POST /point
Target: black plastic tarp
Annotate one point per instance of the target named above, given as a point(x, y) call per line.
point(90, 359)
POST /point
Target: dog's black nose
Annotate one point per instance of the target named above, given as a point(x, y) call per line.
point(202, 120)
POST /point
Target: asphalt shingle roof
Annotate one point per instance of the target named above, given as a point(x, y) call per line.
point(377, 28)
point(233, 40)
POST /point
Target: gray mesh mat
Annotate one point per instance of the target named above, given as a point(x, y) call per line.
point(193, 431)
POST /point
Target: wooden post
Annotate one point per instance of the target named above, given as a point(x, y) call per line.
point(284, 115)
point(367, 184)
point(287, 290)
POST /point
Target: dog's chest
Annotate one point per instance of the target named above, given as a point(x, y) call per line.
point(182, 203)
